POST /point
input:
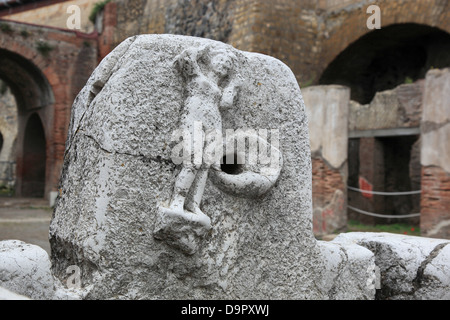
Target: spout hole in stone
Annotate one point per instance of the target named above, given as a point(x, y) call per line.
point(231, 168)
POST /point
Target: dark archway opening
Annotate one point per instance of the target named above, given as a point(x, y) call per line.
point(34, 160)
point(388, 57)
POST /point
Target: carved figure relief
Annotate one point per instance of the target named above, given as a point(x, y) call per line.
point(211, 86)
point(212, 83)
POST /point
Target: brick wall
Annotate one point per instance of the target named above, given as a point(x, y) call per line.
point(47, 67)
point(435, 203)
point(329, 198)
point(327, 111)
point(306, 35)
point(435, 155)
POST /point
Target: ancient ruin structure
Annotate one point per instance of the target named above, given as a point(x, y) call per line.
point(323, 43)
point(45, 68)
point(119, 181)
point(116, 235)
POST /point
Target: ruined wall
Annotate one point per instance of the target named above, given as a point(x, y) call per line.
point(327, 111)
point(47, 68)
point(400, 107)
point(283, 29)
point(385, 153)
point(435, 155)
point(384, 161)
point(346, 23)
point(199, 18)
point(307, 35)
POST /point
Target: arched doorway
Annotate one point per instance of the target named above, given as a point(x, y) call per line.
point(34, 102)
point(44, 82)
point(34, 160)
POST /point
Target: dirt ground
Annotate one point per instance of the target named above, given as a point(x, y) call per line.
point(25, 219)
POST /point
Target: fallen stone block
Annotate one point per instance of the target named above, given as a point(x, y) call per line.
point(410, 267)
point(25, 270)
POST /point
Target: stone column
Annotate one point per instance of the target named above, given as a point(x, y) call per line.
point(327, 110)
point(435, 155)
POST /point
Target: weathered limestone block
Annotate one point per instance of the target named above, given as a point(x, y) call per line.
point(410, 267)
point(380, 113)
point(141, 225)
point(350, 271)
point(6, 294)
point(119, 178)
point(25, 270)
point(332, 217)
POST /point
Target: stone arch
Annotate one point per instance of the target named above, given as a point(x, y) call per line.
point(385, 58)
point(17, 71)
point(34, 98)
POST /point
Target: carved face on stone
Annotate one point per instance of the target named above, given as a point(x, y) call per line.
point(221, 62)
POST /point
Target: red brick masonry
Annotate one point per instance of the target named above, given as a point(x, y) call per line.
point(435, 203)
point(329, 198)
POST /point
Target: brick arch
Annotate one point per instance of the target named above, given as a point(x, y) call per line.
point(343, 27)
point(45, 68)
point(17, 70)
point(33, 95)
point(308, 35)
point(383, 59)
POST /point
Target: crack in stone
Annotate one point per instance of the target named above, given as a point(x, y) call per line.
point(417, 282)
point(158, 159)
point(95, 89)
